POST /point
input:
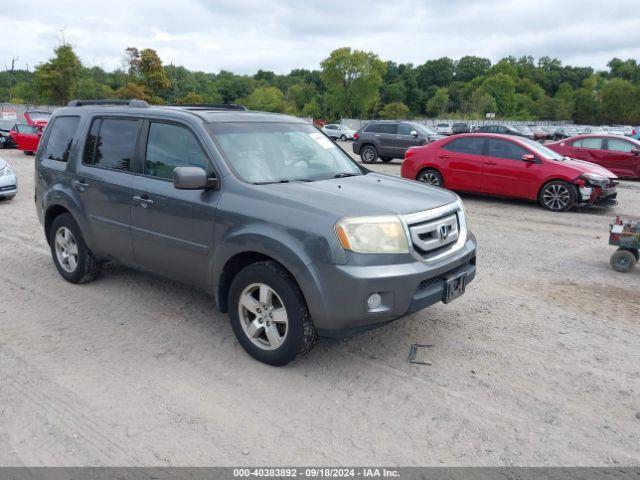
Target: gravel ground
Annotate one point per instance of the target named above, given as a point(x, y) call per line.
point(537, 364)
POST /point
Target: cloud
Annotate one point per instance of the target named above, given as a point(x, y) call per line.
point(246, 35)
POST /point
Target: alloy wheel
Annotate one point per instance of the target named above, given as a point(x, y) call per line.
point(430, 178)
point(556, 197)
point(368, 155)
point(66, 249)
point(263, 316)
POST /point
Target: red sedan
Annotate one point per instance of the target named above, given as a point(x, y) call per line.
point(26, 137)
point(619, 154)
point(509, 166)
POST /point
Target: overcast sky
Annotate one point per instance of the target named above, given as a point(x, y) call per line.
point(246, 35)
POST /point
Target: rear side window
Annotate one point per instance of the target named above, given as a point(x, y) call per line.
point(468, 145)
point(619, 145)
point(111, 143)
point(391, 128)
point(590, 142)
point(170, 146)
point(61, 137)
point(505, 149)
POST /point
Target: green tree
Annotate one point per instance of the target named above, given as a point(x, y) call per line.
point(190, 98)
point(502, 88)
point(57, 80)
point(439, 103)
point(470, 67)
point(394, 111)
point(266, 99)
point(619, 100)
point(482, 103)
point(153, 72)
point(353, 80)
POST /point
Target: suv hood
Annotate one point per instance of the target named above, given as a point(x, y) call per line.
point(371, 194)
point(580, 167)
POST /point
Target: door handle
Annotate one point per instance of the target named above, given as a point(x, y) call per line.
point(443, 155)
point(80, 185)
point(490, 163)
point(143, 200)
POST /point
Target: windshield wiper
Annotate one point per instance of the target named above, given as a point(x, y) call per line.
point(345, 174)
point(284, 180)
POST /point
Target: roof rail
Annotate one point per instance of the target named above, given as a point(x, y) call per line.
point(127, 103)
point(212, 106)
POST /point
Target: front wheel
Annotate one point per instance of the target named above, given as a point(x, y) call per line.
point(557, 196)
point(369, 154)
point(343, 137)
point(623, 261)
point(431, 177)
point(269, 315)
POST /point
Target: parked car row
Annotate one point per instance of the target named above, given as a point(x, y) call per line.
point(24, 136)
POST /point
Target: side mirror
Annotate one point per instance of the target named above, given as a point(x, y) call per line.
point(529, 158)
point(193, 178)
point(413, 133)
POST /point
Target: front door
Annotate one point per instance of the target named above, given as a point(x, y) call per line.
point(404, 140)
point(463, 160)
point(504, 171)
point(105, 183)
point(173, 229)
point(621, 157)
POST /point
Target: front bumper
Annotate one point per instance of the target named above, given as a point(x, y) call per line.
point(405, 288)
point(599, 195)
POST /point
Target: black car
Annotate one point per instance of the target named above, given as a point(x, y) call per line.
point(502, 129)
point(525, 130)
point(390, 139)
point(5, 138)
point(460, 128)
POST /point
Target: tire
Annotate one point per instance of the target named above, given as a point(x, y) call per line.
point(557, 196)
point(343, 137)
point(623, 261)
point(79, 265)
point(28, 153)
point(431, 177)
point(386, 159)
point(294, 335)
point(369, 154)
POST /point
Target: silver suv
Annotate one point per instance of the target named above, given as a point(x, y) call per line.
point(263, 211)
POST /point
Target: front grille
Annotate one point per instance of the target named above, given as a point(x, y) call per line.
point(438, 279)
point(434, 236)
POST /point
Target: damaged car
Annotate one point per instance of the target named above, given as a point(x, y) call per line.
point(510, 166)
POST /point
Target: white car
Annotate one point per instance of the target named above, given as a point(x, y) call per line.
point(443, 128)
point(340, 132)
point(8, 180)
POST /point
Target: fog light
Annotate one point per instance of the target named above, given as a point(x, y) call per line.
point(374, 301)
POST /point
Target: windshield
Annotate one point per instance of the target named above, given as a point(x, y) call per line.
point(263, 152)
point(541, 150)
point(423, 129)
point(7, 124)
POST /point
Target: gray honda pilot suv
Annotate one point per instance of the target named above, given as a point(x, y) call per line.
point(263, 211)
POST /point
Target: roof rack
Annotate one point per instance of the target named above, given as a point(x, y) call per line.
point(212, 106)
point(127, 103)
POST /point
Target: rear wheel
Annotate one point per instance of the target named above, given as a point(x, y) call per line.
point(269, 315)
point(71, 256)
point(431, 177)
point(557, 196)
point(623, 261)
point(369, 154)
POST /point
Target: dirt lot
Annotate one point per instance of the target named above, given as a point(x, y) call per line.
point(538, 364)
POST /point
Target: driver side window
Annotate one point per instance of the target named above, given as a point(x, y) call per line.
point(405, 129)
point(170, 146)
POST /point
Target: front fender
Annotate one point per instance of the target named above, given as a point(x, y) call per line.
point(294, 254)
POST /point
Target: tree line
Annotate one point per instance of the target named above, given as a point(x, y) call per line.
point(352, 83)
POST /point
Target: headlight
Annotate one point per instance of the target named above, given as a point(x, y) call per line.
point(7, 170)
point(372, 235)
point(595, 177)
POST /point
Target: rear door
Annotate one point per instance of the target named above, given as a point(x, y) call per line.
point(504, 171)
point(621, 157)
point(385, 136)
point(173, 229)
point(104, 182)
point(462, 161)
point(590, 149)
